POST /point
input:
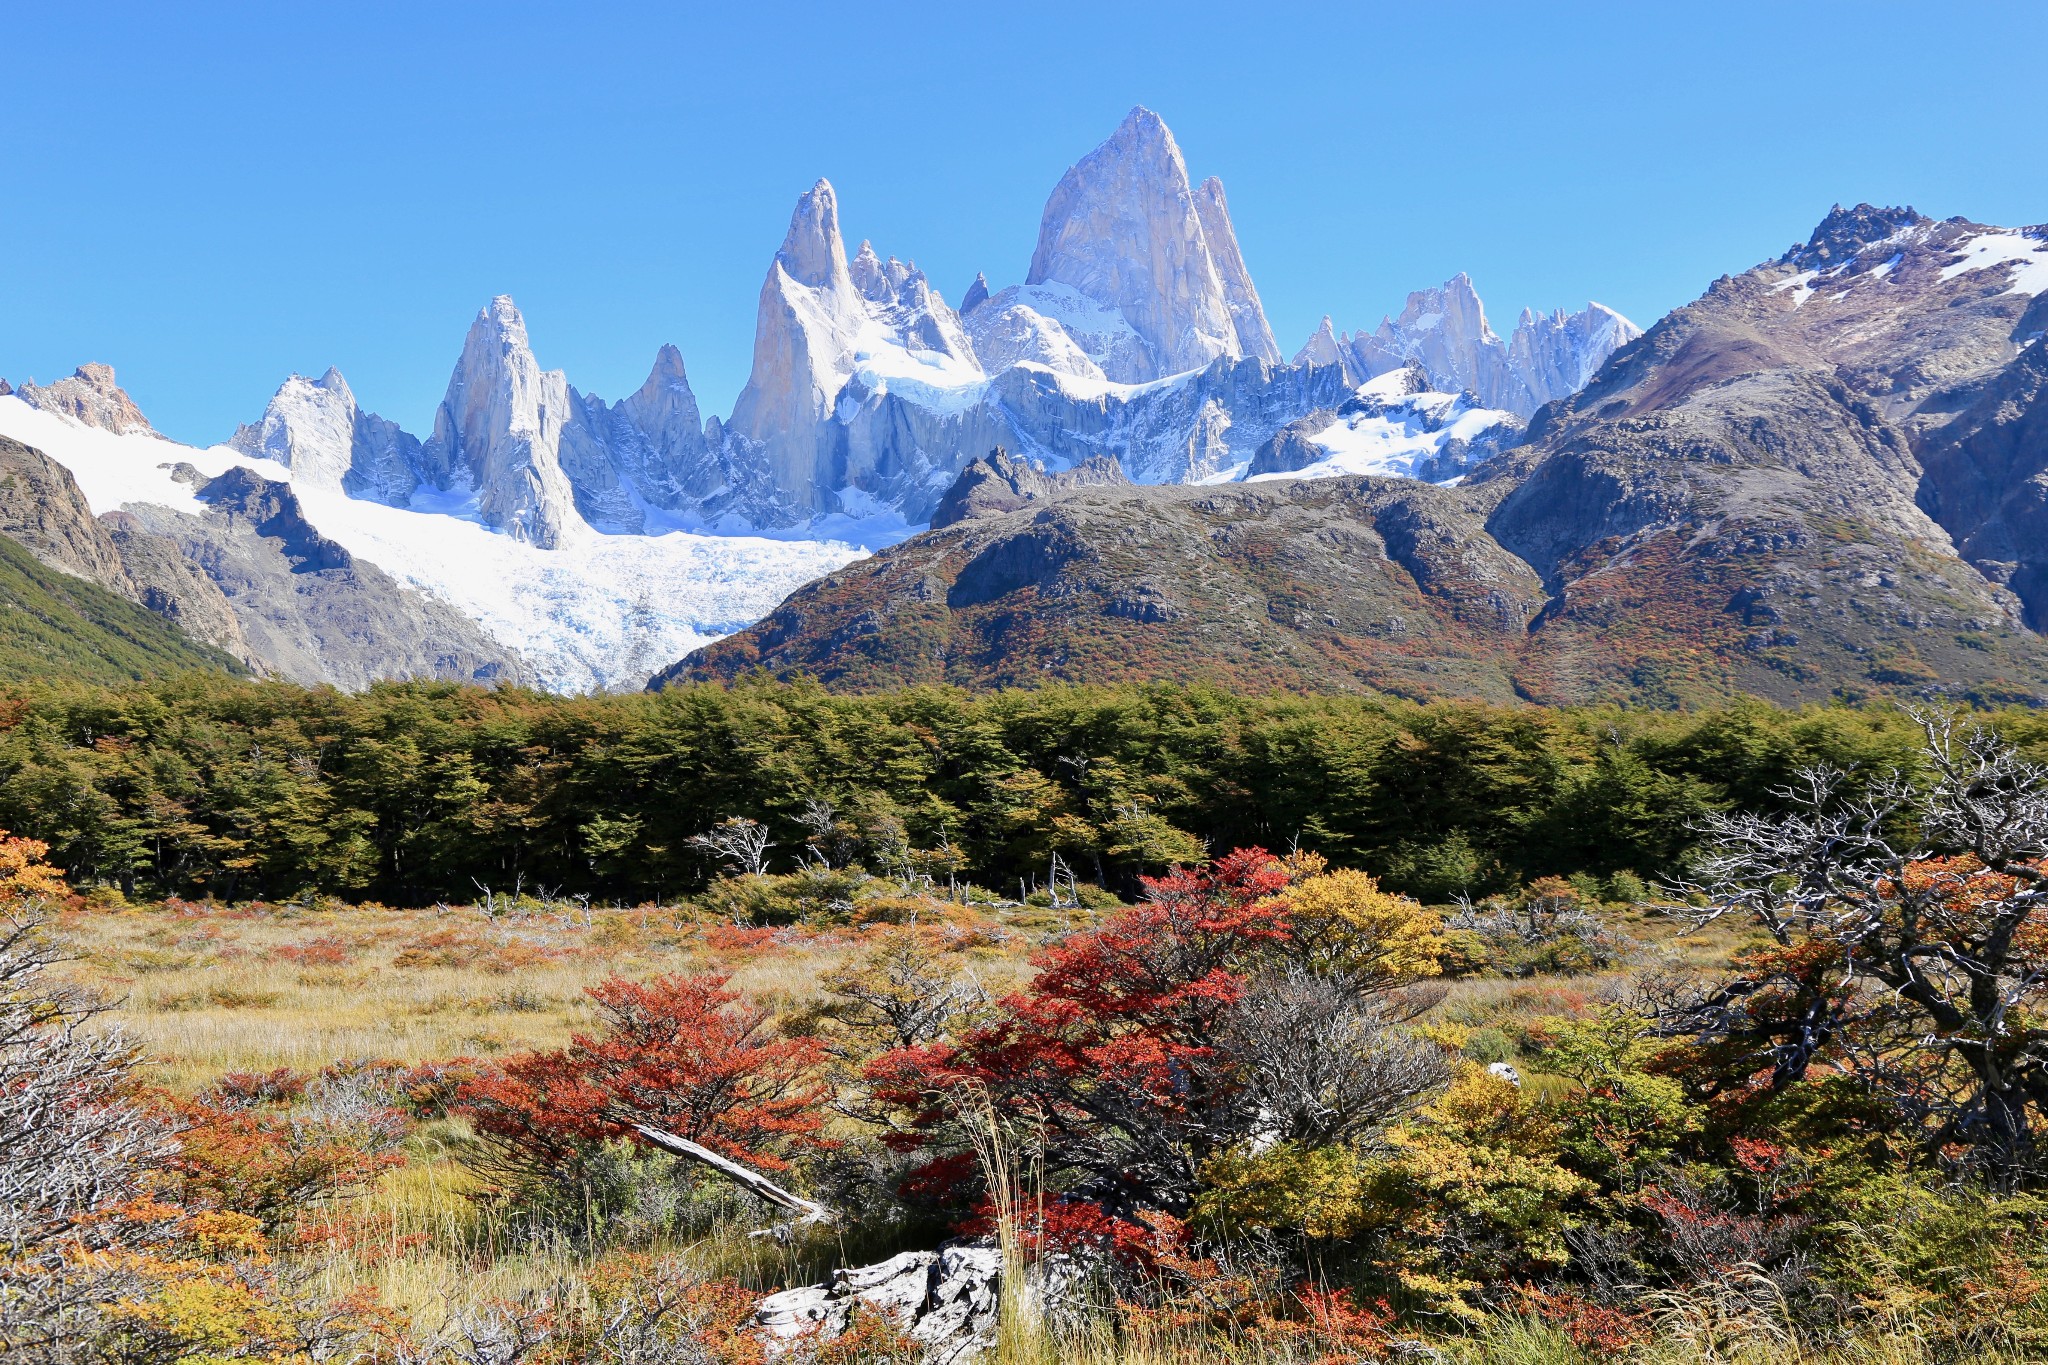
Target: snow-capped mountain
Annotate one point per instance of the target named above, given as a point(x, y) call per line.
point(587, 542)
point(331, 587)
point(1445, 331)
point(1395, 426)
point(1125, 229)
point(314, 428)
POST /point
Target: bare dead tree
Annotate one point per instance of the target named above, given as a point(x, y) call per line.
point(823, 840)
point(71, 1145)
point(741, 844)
point(1918, 909)
point(1323, 1065)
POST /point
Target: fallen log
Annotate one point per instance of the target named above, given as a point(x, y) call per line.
point(807, 1210)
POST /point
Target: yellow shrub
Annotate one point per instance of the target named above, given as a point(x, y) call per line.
point(1345, 920)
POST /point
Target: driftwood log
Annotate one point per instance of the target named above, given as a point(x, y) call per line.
point(806, 1210)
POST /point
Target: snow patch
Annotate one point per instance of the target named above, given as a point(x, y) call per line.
point(1993, 250)
point(1801, 286)
point(1389, 430)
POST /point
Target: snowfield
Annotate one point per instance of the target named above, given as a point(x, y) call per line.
point(603, 612)
point(1389, 429)
point(1991, 250)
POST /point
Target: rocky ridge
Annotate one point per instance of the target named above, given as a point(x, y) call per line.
point(1444, 331)
point(42, 510)
point(1137, 341)
point(89, 396)
point(1137, 335)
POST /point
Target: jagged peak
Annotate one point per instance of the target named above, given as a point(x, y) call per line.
point(976, 295)
point(813, 252)
point(333, 383)
point(499, 324)
point(91, 395)
point(668, 363)
point(1142, 123)
point(1844, 232)
point(1323, 346)
point(501, 312)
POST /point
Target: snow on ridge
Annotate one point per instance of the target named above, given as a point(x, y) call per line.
point(1389, 431)
point(602, 612)
point(1990, 250)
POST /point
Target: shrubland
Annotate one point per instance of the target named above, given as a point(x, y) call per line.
point(1767, 1086)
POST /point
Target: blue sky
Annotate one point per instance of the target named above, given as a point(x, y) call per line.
point(210, 196)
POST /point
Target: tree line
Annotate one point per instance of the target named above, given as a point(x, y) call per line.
point(412, 793)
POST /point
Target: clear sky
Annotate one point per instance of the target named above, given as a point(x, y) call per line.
point(210, 196)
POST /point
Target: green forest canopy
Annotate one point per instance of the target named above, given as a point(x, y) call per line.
point(416, 792)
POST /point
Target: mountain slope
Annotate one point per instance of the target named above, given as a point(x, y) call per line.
point(1381, 584)
point(54, 625)
point(1825, 477)
point(1741, 500)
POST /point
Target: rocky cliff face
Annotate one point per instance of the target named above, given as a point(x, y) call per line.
point(42, 509)
point(315, 428)
point(823, 325)
point(997, 484)
point(1126, 229)
point(306, 608)
point(90, 396)
point(499, 432)
point(656, 437)
point(1254, 335)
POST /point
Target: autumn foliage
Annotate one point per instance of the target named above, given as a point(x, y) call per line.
point(681, 1053)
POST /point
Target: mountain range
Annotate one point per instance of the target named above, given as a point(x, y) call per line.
point(1826, 477)
point(1822, 476)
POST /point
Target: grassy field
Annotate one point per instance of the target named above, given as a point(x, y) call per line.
point(210, 990)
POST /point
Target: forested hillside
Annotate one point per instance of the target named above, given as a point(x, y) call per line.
point(54, 625)
point(414, 793)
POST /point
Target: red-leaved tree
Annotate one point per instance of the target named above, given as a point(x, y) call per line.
point(682, 1053)
point(1114, 1057)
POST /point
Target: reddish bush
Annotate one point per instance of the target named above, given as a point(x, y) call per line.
point(272, 1163)
point(678, 1052)
point(325, 951)
point(1590, 1326)
point(1111, 1052)
point(247, 1089)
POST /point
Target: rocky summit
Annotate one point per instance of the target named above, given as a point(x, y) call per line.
point(1820, 479)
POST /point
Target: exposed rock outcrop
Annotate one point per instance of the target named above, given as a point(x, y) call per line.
point(90, 396)
point(1445, 332)
point(308, 609)
point(946, 1301)
point(499, 432)
point(853, 371)
point(1254, 334)
point(996, 484)
point(42, 509)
